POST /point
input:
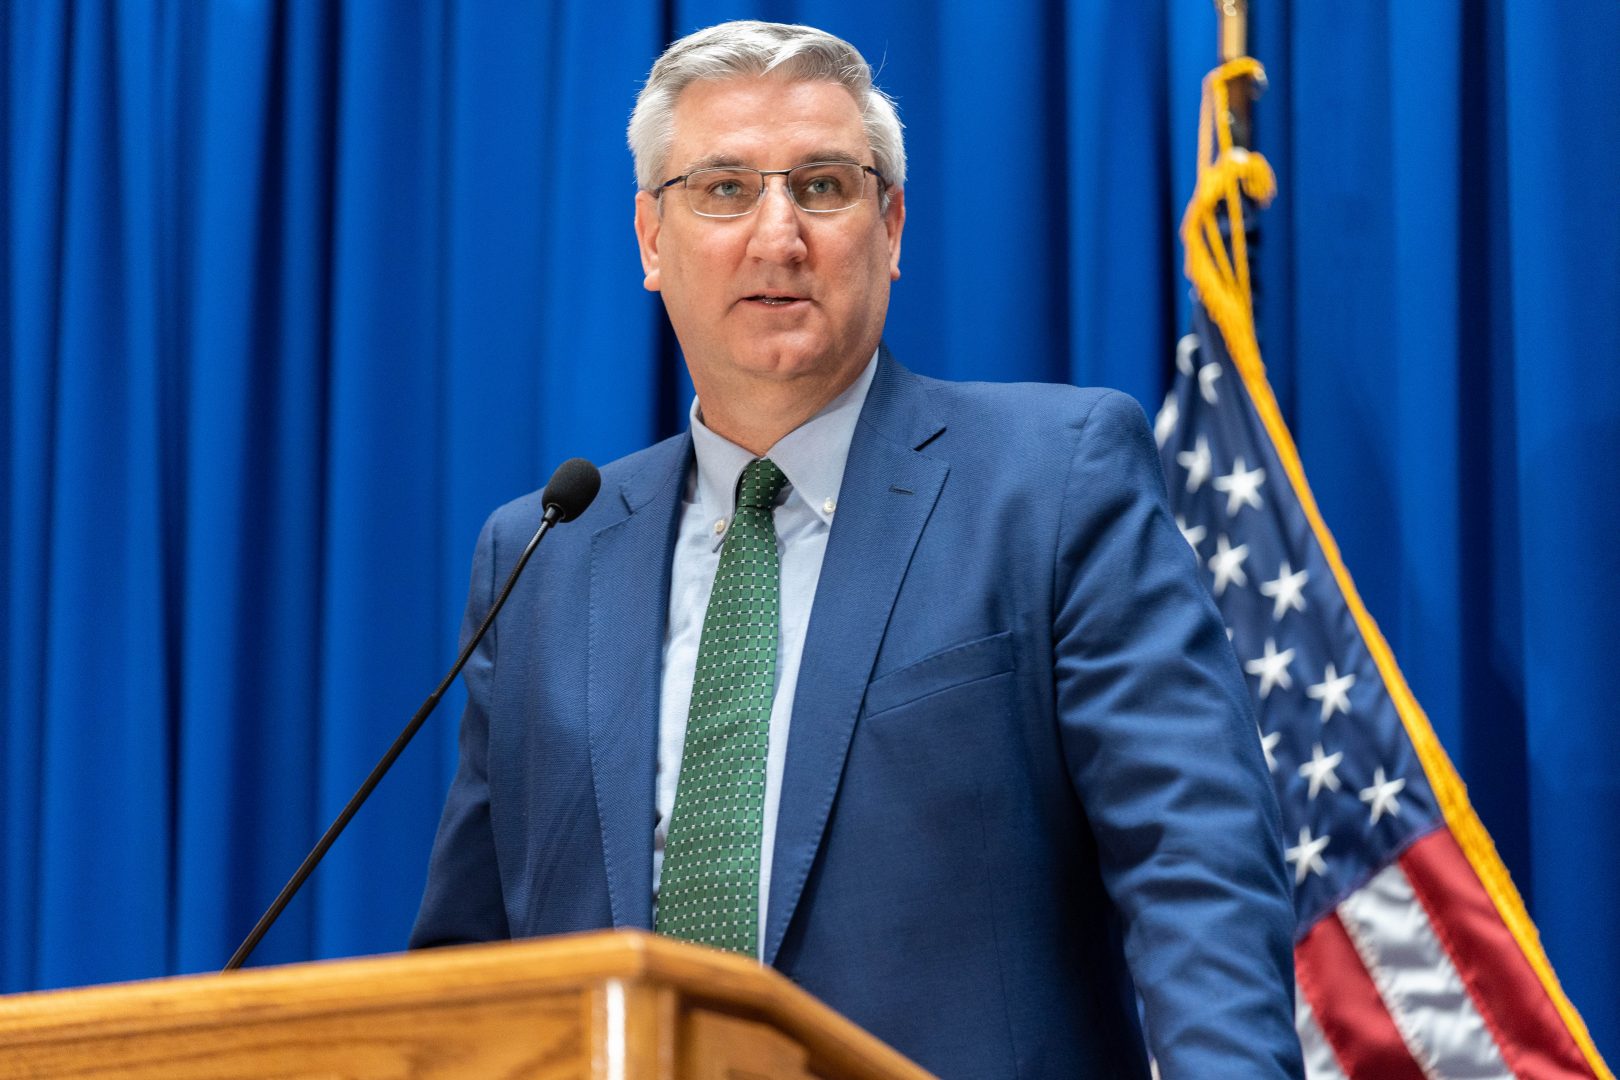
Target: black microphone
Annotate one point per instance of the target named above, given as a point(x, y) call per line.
point(572, 487)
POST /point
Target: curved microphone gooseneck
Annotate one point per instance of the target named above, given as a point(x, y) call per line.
point(570, 491)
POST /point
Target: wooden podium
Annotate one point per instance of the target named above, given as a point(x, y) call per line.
point(618, 1005)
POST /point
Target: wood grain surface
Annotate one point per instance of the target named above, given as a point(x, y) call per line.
point(608, 1006)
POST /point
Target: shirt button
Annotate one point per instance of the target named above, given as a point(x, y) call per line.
point(829, 506)
point(720, 526)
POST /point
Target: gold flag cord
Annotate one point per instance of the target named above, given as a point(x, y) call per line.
point(1227, 173)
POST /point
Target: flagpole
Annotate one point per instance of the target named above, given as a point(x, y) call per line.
point(1232, 32)
point(1232, 43)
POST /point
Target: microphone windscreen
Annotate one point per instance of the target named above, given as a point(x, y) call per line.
point(572, 488)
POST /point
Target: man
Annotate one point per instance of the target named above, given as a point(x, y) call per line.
point(908, 688)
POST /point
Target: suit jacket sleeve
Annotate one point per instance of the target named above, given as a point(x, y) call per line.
point(463, 900)
point(1162, 747)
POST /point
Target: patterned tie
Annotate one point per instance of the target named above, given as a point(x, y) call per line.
point(709, 892)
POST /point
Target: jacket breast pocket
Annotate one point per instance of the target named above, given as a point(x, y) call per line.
point(938, 672)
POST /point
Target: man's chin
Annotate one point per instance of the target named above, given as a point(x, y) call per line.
point(785, 360)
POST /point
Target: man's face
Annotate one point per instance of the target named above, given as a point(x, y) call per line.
point(780, 293)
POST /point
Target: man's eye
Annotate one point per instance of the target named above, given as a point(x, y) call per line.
point(822, 185)
point(726, 189)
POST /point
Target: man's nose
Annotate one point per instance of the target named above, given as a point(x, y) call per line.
point(778, 228)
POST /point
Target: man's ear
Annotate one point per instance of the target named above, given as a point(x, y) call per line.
point(894, 222)
point(648, 226)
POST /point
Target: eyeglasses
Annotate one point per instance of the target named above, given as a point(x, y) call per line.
point(820, 187)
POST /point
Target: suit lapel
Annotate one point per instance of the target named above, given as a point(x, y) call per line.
point(888, 492)
point(629, 601)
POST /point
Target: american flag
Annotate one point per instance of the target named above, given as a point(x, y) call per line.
point(1414, 956)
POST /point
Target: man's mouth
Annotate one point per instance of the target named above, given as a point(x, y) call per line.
point(773, 299)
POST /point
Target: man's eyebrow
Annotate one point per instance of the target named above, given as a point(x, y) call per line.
point(732, 161)
point(830, 155)
point(716, 161)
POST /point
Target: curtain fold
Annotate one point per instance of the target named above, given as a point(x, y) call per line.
point(293, 295)
point(1563, 179)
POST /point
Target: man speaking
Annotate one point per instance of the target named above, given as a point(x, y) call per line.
point(908, 688)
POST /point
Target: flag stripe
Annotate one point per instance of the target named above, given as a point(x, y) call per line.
point(1347, 1007)
point(1498, 977)
point(1415, 977)
point(1320, 1064)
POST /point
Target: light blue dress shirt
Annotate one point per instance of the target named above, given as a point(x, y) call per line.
point(812, 457)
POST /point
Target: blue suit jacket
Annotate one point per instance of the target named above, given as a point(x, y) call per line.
point(1022, 767)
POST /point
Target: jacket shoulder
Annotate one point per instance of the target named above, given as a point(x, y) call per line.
point(1053, 414)
point(629, 474)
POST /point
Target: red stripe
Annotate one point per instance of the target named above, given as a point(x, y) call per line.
point(1348, 1008)
point(1522, 1019)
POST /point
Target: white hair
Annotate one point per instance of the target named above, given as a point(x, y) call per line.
point(749, 48)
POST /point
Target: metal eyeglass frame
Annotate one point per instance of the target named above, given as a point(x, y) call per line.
point(759, 196)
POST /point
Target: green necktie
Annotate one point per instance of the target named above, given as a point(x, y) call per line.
point(709, 891)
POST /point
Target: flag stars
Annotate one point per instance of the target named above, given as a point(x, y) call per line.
point(1307, 856)
point(1287, 591)
point(1207, 374)
point(1164, 425)
point(1272, 667)
point(1227, 564)
point(1185, 348)
point(1333, 692)
point(1193, 534)
point(1380, 797)
point(1242, 487)
point(1320, 771)
point(1268, 746)
point(1197, 462)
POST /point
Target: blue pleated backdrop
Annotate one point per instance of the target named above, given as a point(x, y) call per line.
point(293, 294)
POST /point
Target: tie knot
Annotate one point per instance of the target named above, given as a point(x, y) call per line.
point(761, 481)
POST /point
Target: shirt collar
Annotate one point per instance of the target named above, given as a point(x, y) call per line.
point(812, 456)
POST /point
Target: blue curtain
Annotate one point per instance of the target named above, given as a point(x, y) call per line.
point(293, 294)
